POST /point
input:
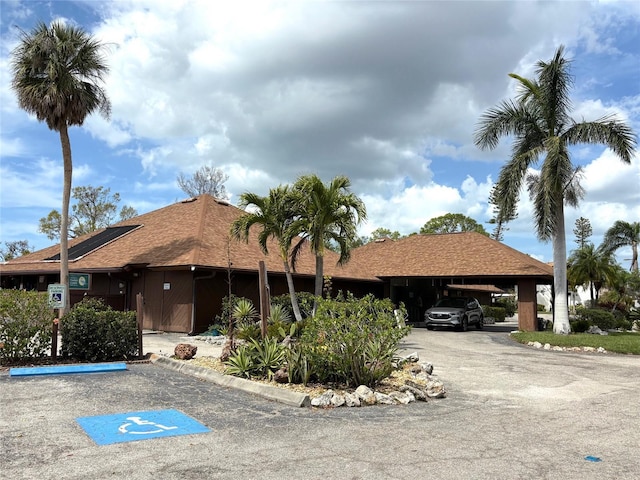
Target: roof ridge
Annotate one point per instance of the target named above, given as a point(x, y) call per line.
point(195, 259)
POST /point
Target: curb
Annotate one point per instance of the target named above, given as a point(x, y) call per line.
point(280, 395)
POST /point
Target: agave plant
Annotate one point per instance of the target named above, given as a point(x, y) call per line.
point(244, 313)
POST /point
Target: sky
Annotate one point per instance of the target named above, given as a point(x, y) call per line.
point(387, 93)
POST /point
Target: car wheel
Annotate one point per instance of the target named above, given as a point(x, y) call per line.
point(465, 324)
point(480, 324)
point(429, 327)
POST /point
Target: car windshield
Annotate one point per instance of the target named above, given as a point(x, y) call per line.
point(451, 302)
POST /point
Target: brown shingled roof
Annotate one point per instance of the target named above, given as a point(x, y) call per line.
point(195, 232)
point(467, 254)
point(191, 232)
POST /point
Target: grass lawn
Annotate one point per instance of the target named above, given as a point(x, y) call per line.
point(614, 342)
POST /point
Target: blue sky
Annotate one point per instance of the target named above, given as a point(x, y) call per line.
point(388, 93)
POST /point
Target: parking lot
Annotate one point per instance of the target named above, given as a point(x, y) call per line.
point(511, 412)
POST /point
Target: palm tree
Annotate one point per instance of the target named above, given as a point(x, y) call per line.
point(328, 214)
point(623, 234)
point(57, 75)
point(592, 266)
point(275, 214)
point(540, 124)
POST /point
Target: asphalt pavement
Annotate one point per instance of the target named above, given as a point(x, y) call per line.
point(512, 412)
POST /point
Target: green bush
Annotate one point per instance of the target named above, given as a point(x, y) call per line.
point(26, 322)
point(305, 302)
point(498, 313)
point(595, 316)
point(93, 331)
point(510, 305)
point(580, 325)
point(351, 341)
point(541, 308)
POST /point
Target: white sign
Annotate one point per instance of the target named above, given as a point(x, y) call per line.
point(57, 294)
point(167, 286)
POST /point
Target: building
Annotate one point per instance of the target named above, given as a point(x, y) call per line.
point(182, 260)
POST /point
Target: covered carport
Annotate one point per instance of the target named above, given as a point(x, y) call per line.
point(419, 269)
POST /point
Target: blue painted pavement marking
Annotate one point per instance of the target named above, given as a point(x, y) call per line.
point(132, 426)
point(60, 369)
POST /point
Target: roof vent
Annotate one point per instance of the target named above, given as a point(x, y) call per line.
point(189, 200)
point(222, 201)
point(380, 240)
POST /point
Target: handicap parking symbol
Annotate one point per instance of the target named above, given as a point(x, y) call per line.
point(132, 426)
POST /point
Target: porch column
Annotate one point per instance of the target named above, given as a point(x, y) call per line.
point(527, 305)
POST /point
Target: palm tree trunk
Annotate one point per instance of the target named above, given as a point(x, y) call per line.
point(64, 220)
point(561, 305)
point(319, 276)
point(292, 292)
point(634, 257)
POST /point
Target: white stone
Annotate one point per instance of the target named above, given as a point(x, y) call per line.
point(383, 399)
point(435, 389)
point(351, 400)
point(427, 367)
point(537, 345)
point(366, 395)
point(337, 400)
point(547, 346)
point(403, 398)
point(323, 400)
point(589, 349)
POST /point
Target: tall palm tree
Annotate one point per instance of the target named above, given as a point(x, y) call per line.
point(624, 234)
point(539, 121)
point(328, 213)
point(275, 214)
point(591, 266)
point(57, 75)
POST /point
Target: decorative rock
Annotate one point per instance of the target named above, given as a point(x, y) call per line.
point(383, 398)
point(589, 349)
point(547, 346)
point(403, 398)
point(412, 357)
point(323, 400)
point(281, 376)
point(556, 348)
point(185, 351)
point(595, 330)
point(435, 389)
point(351, 400)
point(601, 350)
point(537, 345)
point(415, 370)
point(366, 395)
point(415, 390)
point(427, 367)
point(337, 400)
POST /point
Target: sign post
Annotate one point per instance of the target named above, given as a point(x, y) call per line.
point(57, 294)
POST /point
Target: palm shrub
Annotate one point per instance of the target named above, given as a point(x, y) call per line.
point(26, 321)
point(351, 341)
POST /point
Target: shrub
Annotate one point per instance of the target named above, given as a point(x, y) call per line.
point(260, 358)
point(497, 313)
point(540, 308)
point(352, 341)
point(580, 325)
point(305, 302)
point(93, 331)
point(595, 316)
point(26, 322)
point(510, 305)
